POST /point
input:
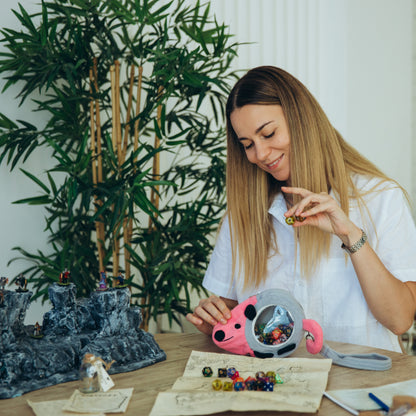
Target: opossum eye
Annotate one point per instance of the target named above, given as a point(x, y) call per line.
point(237, 326)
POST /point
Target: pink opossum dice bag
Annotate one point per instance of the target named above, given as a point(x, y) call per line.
point(272, 324)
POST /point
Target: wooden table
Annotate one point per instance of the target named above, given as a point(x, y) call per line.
point(148, 381)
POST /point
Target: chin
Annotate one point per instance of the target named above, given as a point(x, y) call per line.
point(281, 178)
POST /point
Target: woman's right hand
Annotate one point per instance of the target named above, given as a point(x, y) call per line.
point(211, 311)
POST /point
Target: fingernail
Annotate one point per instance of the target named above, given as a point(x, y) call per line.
point(223, 321)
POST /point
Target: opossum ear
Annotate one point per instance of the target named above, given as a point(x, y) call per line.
point(250, 312)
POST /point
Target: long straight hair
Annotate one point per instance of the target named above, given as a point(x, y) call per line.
point(320, 161)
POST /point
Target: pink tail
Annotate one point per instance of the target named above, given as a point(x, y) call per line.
point(315, 338)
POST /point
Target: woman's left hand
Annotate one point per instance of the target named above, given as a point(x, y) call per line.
point(391, 301)
point(322, 211)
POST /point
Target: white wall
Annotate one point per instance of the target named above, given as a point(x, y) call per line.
point(354, 55)
point(20, 225)
point(379, 77)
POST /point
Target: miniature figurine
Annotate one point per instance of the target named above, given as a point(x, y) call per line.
point(64, 277)
point(121, 281)
point(3, 282)
point(103, 281)
point(21, 282)
point(91, 370)
point(37, 331)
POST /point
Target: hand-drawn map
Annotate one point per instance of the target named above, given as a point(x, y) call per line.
point(113, 401)
point(304, 381)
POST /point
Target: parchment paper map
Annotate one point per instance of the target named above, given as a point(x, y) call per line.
point(358, 398)
point(96, 404)
point(113, 401)
point(304, 381)
point(55, 408)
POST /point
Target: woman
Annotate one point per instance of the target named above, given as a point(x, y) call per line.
point(350, 256)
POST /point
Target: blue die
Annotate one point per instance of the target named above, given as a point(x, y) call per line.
point(268, 386)
point(238, 386)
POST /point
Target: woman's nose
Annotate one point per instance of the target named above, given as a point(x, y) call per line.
point(262, 151)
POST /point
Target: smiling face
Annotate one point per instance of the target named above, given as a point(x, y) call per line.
point(263, 131)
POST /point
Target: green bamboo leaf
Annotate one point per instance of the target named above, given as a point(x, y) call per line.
point(80, 3)
point(158, 132)
point(44, 26)
point(36, 200)
point(6, 123)
point(26, 20)
point(36, 180)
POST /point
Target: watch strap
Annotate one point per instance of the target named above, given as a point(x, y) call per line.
point(357, 245)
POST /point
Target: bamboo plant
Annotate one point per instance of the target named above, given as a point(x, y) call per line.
point(133, 94)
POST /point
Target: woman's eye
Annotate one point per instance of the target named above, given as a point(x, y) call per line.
point(268, 136)
point(248, 146)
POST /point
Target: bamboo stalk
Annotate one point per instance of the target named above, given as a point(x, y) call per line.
point(145, 313)
point(118, 117)
point(113, 133)
point(129, 226)
point(126, 223)
point(154, 195)
point(116, 142)
point(99, 161)
point(126, 238)
point(94, 174)
point(138, 99)
point(116, 255)
point(128, 116)
point(113, 103)
point(98, 122)
point(92, 126)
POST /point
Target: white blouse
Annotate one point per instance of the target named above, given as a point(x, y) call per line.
point(332, 295)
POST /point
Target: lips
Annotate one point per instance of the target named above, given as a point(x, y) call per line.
point(274, 164)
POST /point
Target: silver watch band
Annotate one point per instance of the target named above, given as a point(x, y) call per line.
point(356, 246)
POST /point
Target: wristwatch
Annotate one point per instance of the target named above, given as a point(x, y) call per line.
point(356, 246)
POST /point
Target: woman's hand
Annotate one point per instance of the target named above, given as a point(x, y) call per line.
point(211, 311)
point(391, 301)
point(322, 211)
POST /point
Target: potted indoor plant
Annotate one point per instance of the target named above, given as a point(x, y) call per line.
point(133, 93)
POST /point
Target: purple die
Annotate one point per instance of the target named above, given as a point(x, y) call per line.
point(232, 373)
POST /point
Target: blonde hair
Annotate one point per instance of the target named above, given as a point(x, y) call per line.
point(320, 161)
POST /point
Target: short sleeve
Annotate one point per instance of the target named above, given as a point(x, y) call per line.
point(395, 239)
point(218, 277)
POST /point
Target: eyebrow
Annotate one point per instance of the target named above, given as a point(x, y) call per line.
point(258, 130)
